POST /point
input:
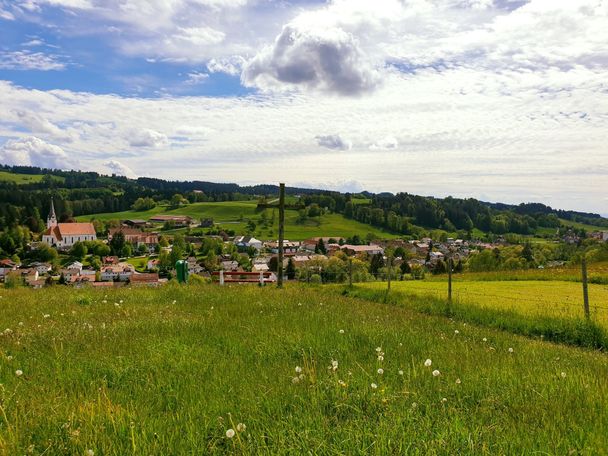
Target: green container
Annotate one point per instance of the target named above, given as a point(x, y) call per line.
point(181, 267)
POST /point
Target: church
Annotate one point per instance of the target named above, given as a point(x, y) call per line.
point(65, 235)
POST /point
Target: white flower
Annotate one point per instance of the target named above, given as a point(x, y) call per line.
point(456, 331)
point(9, 358)
point(298, 369)
point(428, 363)
point(230, 433)
point(334, 365)
point(485, 339)
point(18, 372)
point(121, 301)
point(563, 375)
point(380, 371)
point(378, 349)
point(116, 304)
point(436, 373)
point(510, 350)
point(90, 453)
point(295, 380)
point(414, 405)
point(400, 372)
point(341, 331)
point(380, 358)
point(20, 323)
point(342, 383)
point(400, 344)
point(105, 301)
point(175, 302)
point(458, 381)
point(374, 386)
point(241, 427)
point(46, 316)
point(444, 400)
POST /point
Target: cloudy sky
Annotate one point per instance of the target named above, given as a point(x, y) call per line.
point(503, 100)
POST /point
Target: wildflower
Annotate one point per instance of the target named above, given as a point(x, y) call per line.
point(380, 358)
point(121, 301)
point(298, 369)
point(380, 371)
point(414, 405)
point(510, 349)
point(295, 380)
point(241, 427)
point(20, 323)
point(444, 400)
point(342, 383)
point(105, 301)
point(341, 331)
point(428, 363)
point(230, 433)
point(378, 349)
point(18, 372)
point(334, 365)
point(46, 316)
point(400, 372)
point(400, 344)
point(374, 386)
point(9, 358)
point(458, 381)
point(175, 302)
point(90, 452)
point(485, 339)
point(116, 304)
point(563, 375)
point(456, 332)
point(436, 373)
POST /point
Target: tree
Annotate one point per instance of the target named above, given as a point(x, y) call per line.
point(291, 269)
point(273, 264)
point(376, 263)
point(527, 253)
point(405, 268)
point(143, 204)
point(320, 247)
point(79, 250)
point(177, 200)
point(117, 243)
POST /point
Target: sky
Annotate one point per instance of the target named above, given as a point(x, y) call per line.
point(500, 100)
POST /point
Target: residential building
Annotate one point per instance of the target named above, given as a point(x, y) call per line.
point(120, 272)
point(176, 220)
point(245, 242)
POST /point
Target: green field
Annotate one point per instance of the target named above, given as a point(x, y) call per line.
point(171, 370)
point(233, 215)
point(532, 299)
point(24, 178)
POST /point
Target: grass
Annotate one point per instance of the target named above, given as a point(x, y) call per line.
point(233, 215)
point(169, 371)
point(24, 178)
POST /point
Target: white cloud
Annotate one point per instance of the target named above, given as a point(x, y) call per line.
point(26, 60)
point(232, 65)
point(148, 138)
point(328, 60)
point(38, 124)
point(195, 78)
point(120, 169)
point(6, 15)
point(386, 143)
point(32, 151)
point(334, 142)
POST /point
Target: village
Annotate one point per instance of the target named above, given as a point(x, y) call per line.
point(131, 254)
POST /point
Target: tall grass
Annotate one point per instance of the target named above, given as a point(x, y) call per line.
point(169, 371)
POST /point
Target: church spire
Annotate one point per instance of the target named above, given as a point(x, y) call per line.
point(51, 220)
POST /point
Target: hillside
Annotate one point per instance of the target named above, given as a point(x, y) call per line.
point(171, 371)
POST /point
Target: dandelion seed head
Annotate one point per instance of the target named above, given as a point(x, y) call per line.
point(374, 386)
point(456, 331)
point(230, 433)
point(18, 372)
point(380, 371)
point(241, 427)
point(444, 400)
point(436, 373)
point(458, 381)
point(485, 339)
point(400, 372)
point(295, 380)
point(341, 331)
point(378, 349)
point(563, 375)
point(90, 453)
point(380, 358)
point(298, 369)
point(428, 363)
point(510, 349)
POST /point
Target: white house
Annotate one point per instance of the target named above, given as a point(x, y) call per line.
point(65, 235)
point(42, 268)
point(248, 241)
point(121, 272)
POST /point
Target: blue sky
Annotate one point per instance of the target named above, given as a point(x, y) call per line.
point(503, 100)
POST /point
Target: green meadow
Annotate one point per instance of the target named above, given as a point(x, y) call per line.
point(201, 369)
point(233, 215)
point(24, 178)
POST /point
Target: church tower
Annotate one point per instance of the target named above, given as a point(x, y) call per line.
point(51, 220)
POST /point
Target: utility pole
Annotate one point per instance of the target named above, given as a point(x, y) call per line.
point(281, 233)
point(585, 288)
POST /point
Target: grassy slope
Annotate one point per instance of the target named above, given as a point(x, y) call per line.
point(553, 299)
point(228, 216)
point(21, 178)
point(169, 371)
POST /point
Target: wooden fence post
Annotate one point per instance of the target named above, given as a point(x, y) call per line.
point(261, 278)
point(222, 277)
point(281, 233)
point(585, 288)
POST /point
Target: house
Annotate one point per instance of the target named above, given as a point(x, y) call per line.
point(260, 267)
point(153, 264)
point(65, 235)
point(110, 260)
point(177, 220)
point(75, 265)
point(289, 247)
point(120, 272)
point(311, 244)
point(244, 242)
point(148, 279)
point(230, 265)
point(136, 223)
point(362, 249)
point(136, 237)
point(42, 268)
point(193, 266)
point(7, 266)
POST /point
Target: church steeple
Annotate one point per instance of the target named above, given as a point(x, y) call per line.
point(51, 220)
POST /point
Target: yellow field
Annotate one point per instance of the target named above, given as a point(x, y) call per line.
point(534, 298)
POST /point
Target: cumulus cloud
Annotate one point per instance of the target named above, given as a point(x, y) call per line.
point(334, 142)
point(38, 124)
point(232, 65)
point(324, 59)
point(120, 169)
point(32, 151)
point(196, 78)
point(148, 138)
point(26, 60)
point(386, 143)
